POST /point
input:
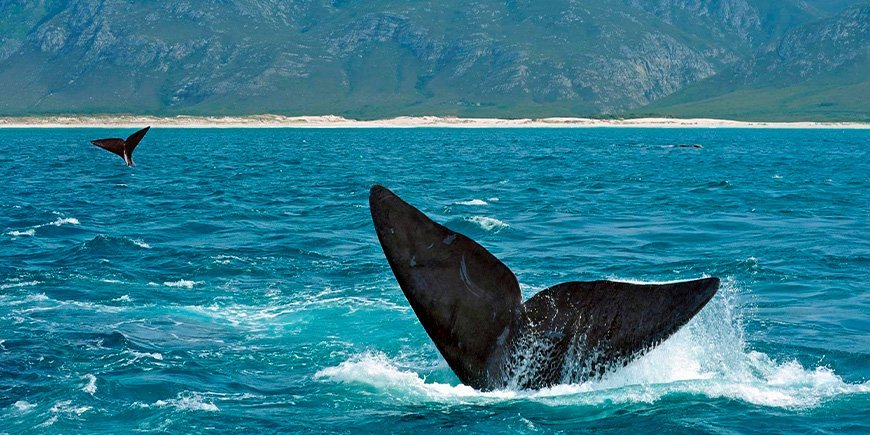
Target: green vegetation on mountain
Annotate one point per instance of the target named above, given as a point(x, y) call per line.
point(818, 72)
point(741, 59)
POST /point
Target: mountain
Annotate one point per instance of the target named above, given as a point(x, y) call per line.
point(379, 58)
point(818, 71)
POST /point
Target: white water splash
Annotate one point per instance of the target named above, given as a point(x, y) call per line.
point(19, 284)
point(66, 409)
point(253, 316)
point(139, 355)
point(708, 357)
point(62, 221)
point(23, 407)
point(186, 402)
point(32, 230)
point(640, 282)
point(29, 232)
point(91, 386)
point(182, 283)
point(487, 223)
point(477, 202)
point(140, 243)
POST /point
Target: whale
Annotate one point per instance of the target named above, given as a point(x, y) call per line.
point(471, 306)
point(122, 147)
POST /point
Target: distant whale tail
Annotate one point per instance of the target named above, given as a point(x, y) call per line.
point(121, 147)
point(471, 306)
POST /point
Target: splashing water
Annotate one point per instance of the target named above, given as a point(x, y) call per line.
point(233, 279)
point(707, 357)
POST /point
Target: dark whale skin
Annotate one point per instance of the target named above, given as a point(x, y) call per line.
point(471, 306)
point(122, 147)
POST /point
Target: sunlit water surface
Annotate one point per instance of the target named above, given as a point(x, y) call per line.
point(233, 281)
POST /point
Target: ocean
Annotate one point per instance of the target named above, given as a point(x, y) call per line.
point(233, 280)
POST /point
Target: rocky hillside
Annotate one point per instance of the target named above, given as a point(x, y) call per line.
point(816, 71)
point(386, 57)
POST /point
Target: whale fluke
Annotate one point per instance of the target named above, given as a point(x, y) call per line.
point(121, 147)
point(471, 306)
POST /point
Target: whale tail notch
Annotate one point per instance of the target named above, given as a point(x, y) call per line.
point(121, 147)
point(470, 305)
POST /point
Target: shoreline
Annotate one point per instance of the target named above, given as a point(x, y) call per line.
point(331, 121)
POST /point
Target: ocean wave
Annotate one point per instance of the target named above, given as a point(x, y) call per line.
point(106, 243)
point(32, 230)
point(182, 283)
point(23, 406)
point(708, 357)
point(478, 202)
point(254, 316)
point(487, 223)
point(64, 408)
point(61, 222)
point(186, 402)
point(227, 259)
point(140, 243)
point(91, 386)
point(139, 355)
point(67, 407)
point(6, 286)
point(642, 282)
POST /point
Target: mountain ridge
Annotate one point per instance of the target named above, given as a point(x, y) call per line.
point(387, 58)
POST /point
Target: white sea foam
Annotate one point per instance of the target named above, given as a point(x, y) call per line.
point(91, 386)
point(32, 230)
point(64, 408)
point(48, 422)
point(182, 283)
point(29, 232)
point(140, 243)
point(139, 355)
point(187, 402)
point(227, 259)
point(472, 202)
point(256, 316)
point(487, 223)
point(23, 406)
point(641, 282)
point(18, 284)
point(63, 221)
point(708, 357)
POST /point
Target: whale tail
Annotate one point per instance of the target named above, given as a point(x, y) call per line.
point(471, 306)
point(121, 147)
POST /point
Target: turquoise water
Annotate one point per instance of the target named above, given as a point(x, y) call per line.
point(233, 279)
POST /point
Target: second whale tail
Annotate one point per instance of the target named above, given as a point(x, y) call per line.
point(121, 147)
point(471, 306)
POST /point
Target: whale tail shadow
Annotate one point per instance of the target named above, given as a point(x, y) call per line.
point(471, 306)
point(121, 147)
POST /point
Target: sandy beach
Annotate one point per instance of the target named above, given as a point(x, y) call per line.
point(330, 121)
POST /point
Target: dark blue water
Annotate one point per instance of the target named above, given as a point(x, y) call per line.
point(233, 279)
